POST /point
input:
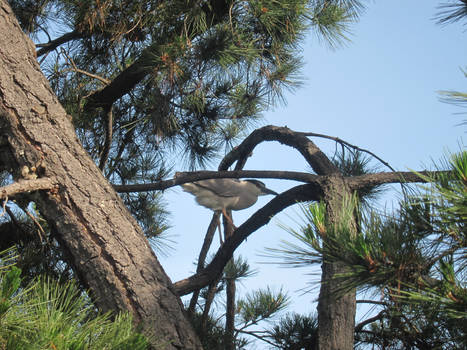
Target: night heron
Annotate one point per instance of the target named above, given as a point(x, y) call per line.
point(227, 194)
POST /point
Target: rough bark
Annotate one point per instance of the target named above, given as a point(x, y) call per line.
point(230, 290)
point(336, 311)
point(104, 243)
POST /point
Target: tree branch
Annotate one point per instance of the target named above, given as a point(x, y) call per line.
point(121, 85)
point(345, 143)
point(365, 301)
point(358, 182)
point(255, 334)
point(201, 279)
point(312, 154)
point(182, 178)
point(77, 70)
point(22, 186)
point(362, 324)
point(52, 45)
point(355, 182)
point(108, 137)
point(215, 11)
point(202, 256)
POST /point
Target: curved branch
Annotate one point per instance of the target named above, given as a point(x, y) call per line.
point(362, 324)
point(202, 175)
point(312, 154)
point(201, 279)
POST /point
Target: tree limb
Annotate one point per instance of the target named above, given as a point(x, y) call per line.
point(22, 186)
point(202, 256)
point(312, 154)
point(201, 279)
point(215, 11)
point(355, 182)
point(362, 324)
point(108, 137)
point(202, 175)
point(358, 182)
point(52, 45)
point(376, 302)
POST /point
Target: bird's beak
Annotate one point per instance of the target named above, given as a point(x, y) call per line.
point(268, 191)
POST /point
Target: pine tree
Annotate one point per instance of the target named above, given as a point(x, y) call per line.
point(53, 315)
point(139, 80)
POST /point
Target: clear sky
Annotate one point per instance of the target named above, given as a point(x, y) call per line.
point(378, 92)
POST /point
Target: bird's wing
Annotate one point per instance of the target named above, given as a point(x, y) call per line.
point(221, 187)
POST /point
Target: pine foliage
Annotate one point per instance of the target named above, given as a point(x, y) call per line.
point(295, 331)
point(51, 315)
point(414, 258)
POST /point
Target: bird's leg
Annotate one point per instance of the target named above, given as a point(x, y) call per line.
point(220, 232)
point(228, 218)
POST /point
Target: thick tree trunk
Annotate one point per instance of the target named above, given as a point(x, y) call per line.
point(230, 314)
point(336, 312)
point(106, 246)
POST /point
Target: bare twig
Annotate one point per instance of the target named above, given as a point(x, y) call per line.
point(77, 70)
point(345, 143)
point(254, 334)
point(40, 230)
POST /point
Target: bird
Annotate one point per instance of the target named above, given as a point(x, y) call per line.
point(227, 194)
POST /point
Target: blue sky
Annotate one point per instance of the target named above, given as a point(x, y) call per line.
point(378, 92)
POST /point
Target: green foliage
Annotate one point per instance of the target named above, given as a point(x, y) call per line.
point(260, 304)
point(331, 20)
point(295, 331)
point(237, 269)
point(318, 236)
point(40, 252)
point(356, 163)
point(453, 11)
point(51, 315)
point(254, 308)
point(10, 284)
point(206, 71)
point(415, 258)
point(212, 333)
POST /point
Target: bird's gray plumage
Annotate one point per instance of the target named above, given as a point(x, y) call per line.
point(230, 194)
